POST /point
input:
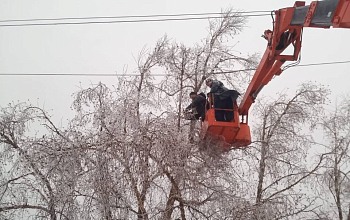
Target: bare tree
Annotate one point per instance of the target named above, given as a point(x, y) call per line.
point(32, 165)
point(283, 138)
point(187, 68)
point(335, 177)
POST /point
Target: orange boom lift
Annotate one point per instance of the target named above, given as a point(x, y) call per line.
point(287, 30)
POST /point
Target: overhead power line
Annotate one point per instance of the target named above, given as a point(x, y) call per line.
point(127, 16)
point(72, 74)
point(161, 74)
point(127, 21)
point(326, 63)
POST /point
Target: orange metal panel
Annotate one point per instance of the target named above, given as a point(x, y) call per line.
point(299, 4)
point(219, 130)
point(264, 66)
point(243, 137)
point(341, 17)
point(275, 70)
point(310, 14)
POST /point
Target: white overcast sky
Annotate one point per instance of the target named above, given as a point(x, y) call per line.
point(107, 48)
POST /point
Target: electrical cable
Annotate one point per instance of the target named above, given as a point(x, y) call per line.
point(121, 75)
point(299, 58)
point(126, 16)
point(320, 64)
point(125, 21)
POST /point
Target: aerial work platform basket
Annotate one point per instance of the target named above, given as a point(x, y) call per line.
point(233, 133)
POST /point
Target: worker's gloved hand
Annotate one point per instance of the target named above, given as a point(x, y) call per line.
point(189, 114)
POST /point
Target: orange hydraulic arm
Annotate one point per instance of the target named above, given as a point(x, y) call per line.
point(287, 30)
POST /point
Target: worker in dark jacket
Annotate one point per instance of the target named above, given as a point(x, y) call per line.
point(216, 87)
point(197, 107)
point(223, 99)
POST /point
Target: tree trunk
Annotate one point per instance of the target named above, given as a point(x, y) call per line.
point(191, 133)
point(262, 164)
point(182, 211)
point(337, 188)
point(180, 101)
point(53, 213)
point(141, 212)
point(262, 167)
point(139, 88)
point(170, 204)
